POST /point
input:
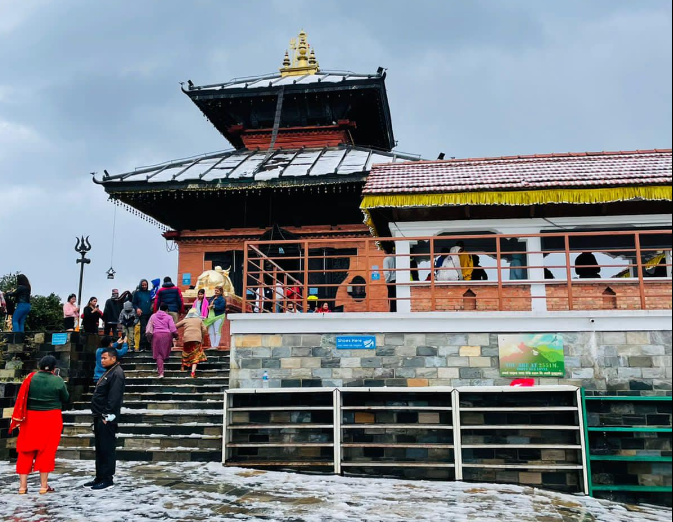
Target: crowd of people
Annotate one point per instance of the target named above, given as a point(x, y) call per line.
point(155, 313)
point(38, 416)
point(16, 304)
point(149, 318)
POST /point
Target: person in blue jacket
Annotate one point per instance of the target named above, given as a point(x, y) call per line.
point(142, 302)
point(156, 285)
point(108, 342)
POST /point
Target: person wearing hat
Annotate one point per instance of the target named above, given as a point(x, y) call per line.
point(171, 296)
point(111, 311)
point(312, 301)
point(128, 319)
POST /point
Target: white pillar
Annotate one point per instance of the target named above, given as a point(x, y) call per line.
point(535, 258)
point(403, 275)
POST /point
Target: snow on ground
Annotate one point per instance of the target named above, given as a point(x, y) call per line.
point(198, 492)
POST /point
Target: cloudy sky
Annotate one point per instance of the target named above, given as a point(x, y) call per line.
point(87, 86)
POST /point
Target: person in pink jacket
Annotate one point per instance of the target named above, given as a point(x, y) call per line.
point(161, 330)
point(201, 304)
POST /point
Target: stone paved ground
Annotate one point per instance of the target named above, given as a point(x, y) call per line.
point(197, 492)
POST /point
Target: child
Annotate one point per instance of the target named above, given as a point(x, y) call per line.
point(128, 318)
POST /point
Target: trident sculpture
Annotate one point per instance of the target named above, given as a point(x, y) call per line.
point(82, 247)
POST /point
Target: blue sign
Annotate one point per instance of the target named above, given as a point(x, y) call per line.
point(356, 342)
point(58, 339)
point(186, 279)
point(376, 275)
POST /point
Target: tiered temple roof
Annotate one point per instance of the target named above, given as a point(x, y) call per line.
point(298, 129)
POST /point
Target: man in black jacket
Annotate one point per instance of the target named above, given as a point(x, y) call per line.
point(113, 307)
point(106, 404)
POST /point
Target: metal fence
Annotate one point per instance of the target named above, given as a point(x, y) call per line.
point(553, 271)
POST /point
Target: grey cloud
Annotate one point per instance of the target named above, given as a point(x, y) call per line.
point(86, 86)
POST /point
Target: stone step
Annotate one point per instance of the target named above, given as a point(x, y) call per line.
point(153, 455)
point(164, 396)
point(174, 365)
point(146, 357)
point(146, 416)
point(169, 381)
point(132, 386)
point(193, 428)
point(162, 405)
point(204, 374)
point(146, 442)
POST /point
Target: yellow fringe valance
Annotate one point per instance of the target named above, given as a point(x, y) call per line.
point(528, 197)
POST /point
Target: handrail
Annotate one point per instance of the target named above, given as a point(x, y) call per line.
point(334, 278)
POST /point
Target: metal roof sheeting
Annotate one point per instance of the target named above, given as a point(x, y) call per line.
point(276, 80)
point(260, 166)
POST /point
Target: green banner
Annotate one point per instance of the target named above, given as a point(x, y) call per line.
point(531, 355)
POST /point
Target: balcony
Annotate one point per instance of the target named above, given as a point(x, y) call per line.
point(545, 272)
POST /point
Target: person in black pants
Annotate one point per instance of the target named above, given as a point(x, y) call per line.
point(106, 404)
point(113, 307)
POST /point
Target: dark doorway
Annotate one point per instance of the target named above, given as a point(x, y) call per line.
point(336, 259)
point(232, 260)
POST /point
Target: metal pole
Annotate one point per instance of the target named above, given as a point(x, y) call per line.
point(639, 268)
point(81, 280)
point(81, 247)
point(569, 276)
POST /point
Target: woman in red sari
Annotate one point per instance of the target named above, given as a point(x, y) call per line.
point(37, 413)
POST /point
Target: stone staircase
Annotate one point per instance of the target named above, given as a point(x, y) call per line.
point(176, 418)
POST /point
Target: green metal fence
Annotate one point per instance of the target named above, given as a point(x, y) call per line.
point(591, 457)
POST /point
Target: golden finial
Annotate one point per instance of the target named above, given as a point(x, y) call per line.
point(312, 60)
point(302, 61)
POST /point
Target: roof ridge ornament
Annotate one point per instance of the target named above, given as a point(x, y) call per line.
point(302, 62)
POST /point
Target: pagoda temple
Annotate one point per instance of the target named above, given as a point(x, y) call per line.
point(304, 141)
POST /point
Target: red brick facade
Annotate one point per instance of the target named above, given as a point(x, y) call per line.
point(586, 296)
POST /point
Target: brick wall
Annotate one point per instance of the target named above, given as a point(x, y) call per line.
point(19, 356)
point(602, 361)
point(586, 296)
point(452, 297)
point(620, 296)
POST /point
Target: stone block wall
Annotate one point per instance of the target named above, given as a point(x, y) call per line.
point(597, 361)
point(20, 354)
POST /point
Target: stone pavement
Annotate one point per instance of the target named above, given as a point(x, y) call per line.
point(198, 492)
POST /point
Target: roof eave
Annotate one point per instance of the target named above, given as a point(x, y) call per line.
point(229, 185)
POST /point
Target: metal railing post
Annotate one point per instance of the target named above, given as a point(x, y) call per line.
point(498, 264)
point(639, 267)
point(433, 297)
point(336, 401)
point(244, 307)
point(368, 278)
point(569, 278)
point(306, 282)
point(457, 435)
